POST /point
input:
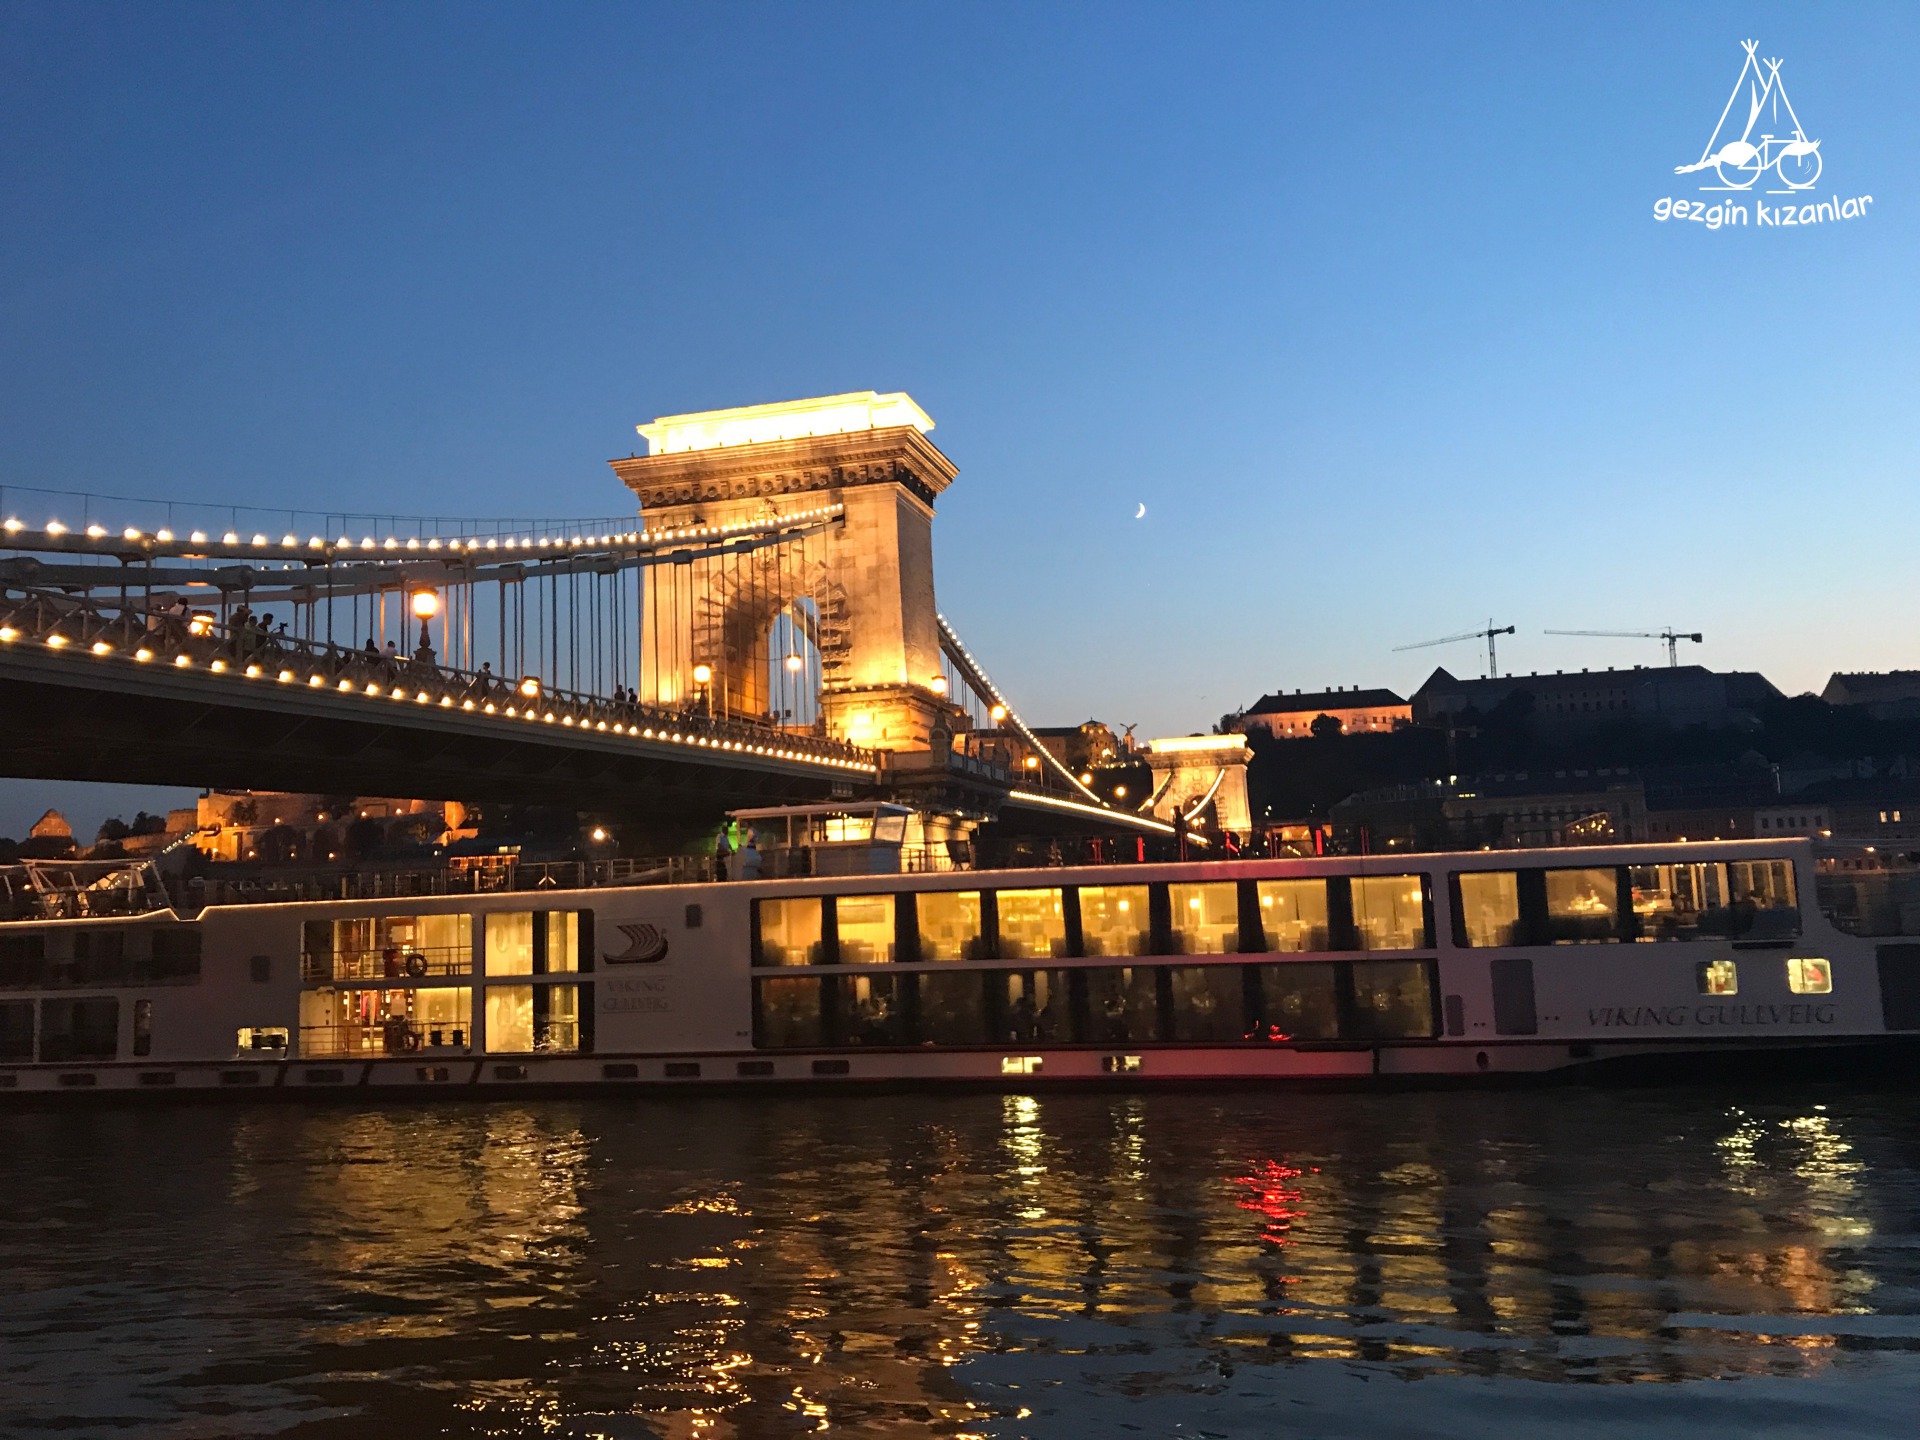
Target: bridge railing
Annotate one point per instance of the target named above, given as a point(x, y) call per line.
point(196, 640)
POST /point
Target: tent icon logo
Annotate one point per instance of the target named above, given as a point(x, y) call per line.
point(1758, 137)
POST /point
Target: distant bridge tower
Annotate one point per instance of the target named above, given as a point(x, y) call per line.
point(862, 593)
point(1194, 772)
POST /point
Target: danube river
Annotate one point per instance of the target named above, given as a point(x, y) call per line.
point(1573, 1262)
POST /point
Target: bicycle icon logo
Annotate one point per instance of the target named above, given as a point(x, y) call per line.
point(1740, 163)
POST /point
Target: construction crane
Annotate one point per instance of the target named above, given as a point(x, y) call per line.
point(1670, 635)
point(1493, 663)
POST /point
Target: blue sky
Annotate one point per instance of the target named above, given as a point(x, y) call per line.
point(1366, 303)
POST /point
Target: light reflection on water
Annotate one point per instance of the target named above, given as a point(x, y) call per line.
point(1044, 1265)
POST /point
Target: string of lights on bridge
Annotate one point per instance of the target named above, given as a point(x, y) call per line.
point(103, 539)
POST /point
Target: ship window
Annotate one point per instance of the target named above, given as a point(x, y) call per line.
point(1717, 977)
point(1293, 913)
point(1392, 1000)
point(1209, 1004)
point(385, 1022)
point(260, 969)
point(1734, 900)
point(253, 1038)
point(316, 950)
point(789, 931)
point(786, 1014)
point(563, 941)
point(175, 953)
point(865, 927)
point(1298, 1002)
point(953, 1008)
point(869, 1010)
point(1035, 1006)
point(949, 924)
point(1033, 924)
point(523, 1019)
point(1206, 918)
point(23, 960)
point(1114, 920)
point(509, 944)
point(1489, 910)
point(390, 947)
point(1021, 1064)
point(143, 1027)
point(16, 1029)
point(1583, 906)
point(79, 1029)
point(1809, 976)
point(1123, 1005)
point(1390, 912)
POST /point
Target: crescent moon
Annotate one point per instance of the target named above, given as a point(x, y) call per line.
point(1141, 512)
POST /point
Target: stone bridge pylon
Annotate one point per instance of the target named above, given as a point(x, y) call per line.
point(851, 610)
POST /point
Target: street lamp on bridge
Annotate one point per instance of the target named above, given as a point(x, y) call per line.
point(426, 605)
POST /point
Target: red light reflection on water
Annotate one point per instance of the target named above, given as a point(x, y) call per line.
point(1268, 1190)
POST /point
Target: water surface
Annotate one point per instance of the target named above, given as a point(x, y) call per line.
point(1243, 1263)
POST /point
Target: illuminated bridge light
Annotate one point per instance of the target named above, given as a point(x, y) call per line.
point(143, 654)
point(56, 640)
point(56, 529)
point(131, 534)
point(100, 647)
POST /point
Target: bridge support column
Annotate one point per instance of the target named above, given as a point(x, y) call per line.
point(868, 579)
point(1194, 772)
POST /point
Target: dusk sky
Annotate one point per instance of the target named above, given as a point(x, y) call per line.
point(1366, 304)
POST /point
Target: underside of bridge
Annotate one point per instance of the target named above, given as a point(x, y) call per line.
point(57, 728)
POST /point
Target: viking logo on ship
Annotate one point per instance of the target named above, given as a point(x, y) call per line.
point(1738, 161)
point(646, 945)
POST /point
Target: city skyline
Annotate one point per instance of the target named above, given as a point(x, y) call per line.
point(1369, 310)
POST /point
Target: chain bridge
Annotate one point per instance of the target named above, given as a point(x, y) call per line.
point(762, 630)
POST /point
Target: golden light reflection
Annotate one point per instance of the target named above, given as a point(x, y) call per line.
point(862, 1267)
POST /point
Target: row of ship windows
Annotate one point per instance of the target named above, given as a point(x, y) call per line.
point(81, 955)
point(519, 1020)
point(1806, 975)
point(1490, 908)
point(1387, 912)
point(393, 947)
point(1359, 1000)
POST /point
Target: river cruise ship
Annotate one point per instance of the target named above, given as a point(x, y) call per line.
point(1474, 967)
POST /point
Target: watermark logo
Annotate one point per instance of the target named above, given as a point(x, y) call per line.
point(1758, 141)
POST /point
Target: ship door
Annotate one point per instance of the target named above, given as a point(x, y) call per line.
point(1513, 1009)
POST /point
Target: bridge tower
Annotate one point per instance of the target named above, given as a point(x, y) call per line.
point(1191, 772)
point(862, 592)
